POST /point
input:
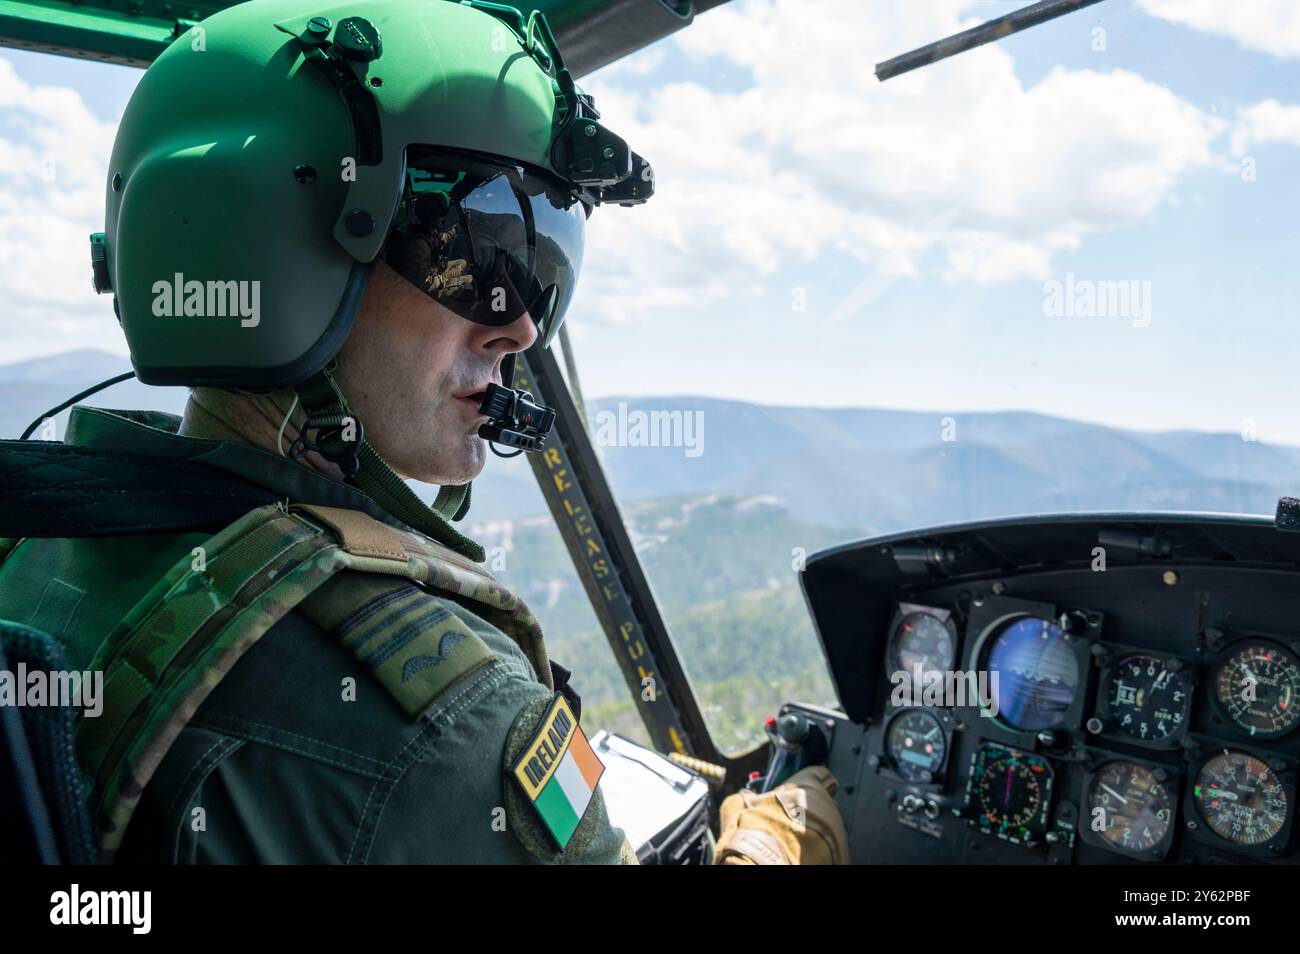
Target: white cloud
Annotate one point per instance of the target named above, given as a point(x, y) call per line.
point(641, 63)
point(1264, 124)
point(1271, 26)
point(785, 152)
point(53, 172)
point(813, 155)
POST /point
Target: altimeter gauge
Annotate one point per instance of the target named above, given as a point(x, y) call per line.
point(1147, 699)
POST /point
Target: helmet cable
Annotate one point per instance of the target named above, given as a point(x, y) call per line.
point(73, 400)
point(279, 437)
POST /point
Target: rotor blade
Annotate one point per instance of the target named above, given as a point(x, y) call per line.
point(1031, 15)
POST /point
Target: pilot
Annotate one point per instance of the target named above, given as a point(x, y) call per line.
point(336, 226)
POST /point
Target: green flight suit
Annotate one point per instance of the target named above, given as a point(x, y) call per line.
point(277, 765)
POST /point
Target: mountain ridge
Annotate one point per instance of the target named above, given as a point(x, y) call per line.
point(875, 469)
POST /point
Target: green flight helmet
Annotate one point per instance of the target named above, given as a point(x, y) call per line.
point(268, 155)
point(276, 150)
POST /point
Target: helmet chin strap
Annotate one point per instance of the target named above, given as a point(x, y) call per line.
point(340, 439)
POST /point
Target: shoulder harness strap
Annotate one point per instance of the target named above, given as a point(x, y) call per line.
point(438, 568)
point(169, 652)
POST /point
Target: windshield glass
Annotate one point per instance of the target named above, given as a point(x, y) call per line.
point(1049, 274)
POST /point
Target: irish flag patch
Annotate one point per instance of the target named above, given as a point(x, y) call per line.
point(557, 771)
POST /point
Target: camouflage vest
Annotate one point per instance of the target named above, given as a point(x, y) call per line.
point(355, 577)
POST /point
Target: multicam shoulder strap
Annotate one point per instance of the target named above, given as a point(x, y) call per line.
point(350, 573)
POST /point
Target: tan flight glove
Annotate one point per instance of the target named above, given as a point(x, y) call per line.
point(796, 823)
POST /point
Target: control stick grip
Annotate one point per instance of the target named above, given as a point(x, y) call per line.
point(789, 742)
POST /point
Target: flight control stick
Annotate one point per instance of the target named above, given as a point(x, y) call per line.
point(797, 742)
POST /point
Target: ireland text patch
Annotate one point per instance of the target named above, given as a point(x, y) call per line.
point(558, 771)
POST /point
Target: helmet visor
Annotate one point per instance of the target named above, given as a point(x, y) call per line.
point(487, 239)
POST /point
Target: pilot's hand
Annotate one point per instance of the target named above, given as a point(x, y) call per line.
point(796, 823)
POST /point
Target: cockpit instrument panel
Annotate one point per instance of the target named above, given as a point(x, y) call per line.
point(1009, 697)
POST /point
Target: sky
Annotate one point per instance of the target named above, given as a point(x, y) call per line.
point(820, 238)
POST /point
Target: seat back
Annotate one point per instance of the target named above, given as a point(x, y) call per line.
point(44, 816)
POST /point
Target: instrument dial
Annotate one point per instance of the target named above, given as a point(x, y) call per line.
point(1036, 673)
point(1129, 807)
point(922, 642)
point(1009, 792)
point(1259, 688)
point(916, 745)
point(1241, 798)
point(1146, 699)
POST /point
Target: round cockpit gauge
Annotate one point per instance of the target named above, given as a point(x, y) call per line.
point(1129, 807)
point(1241, 798)
point(1008, 793)
point(1258, 686)
point(1033, 673)
point(922, 642)
point(915, 744)
point(1146, 699)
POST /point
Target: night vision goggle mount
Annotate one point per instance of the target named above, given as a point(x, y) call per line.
point(600, 165)
point(599, 162)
